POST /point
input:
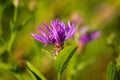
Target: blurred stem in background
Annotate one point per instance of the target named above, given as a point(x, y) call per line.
point(16, 4)
point(15, 14)
point(13, 25)
point(7, 46)
point(59, 76)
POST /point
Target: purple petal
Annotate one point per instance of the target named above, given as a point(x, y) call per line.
point(71, 30)
point(95, 35)
point(69, 25)
point(43, 32)
point(74, 30)
point(47, 28)
point(62, 25)
point(55, 33)
point(72, 25)
point(71, 33)
point(39, 38)
point(55, 23)
point(84, 39)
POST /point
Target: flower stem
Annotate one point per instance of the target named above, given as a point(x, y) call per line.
point(12, 38)
point(59, 76)
point(15, 14)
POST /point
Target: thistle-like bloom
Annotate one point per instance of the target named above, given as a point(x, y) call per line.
point(56, 34)
point(88, 36)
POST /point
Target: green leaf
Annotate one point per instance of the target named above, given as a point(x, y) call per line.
point(12, 25)
point(48, 54)
point(35, 72)
point(111, 71)
point(64, 57)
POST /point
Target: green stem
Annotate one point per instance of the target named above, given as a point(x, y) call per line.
point(12, 38)
point(59, 76)
point(15, 14)
point(13, 33)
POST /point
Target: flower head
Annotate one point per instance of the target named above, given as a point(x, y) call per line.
point(58, 32)
point(88, 36)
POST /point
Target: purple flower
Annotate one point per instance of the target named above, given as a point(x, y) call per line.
point(89, 36)
point(56, 34)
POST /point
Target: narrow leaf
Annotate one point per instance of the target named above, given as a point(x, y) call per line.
point(35, 72)
point(64, 57)
point(111, 71)
point(11, 25)
point(48, 54)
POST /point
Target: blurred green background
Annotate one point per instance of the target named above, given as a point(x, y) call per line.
point(20, 18)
